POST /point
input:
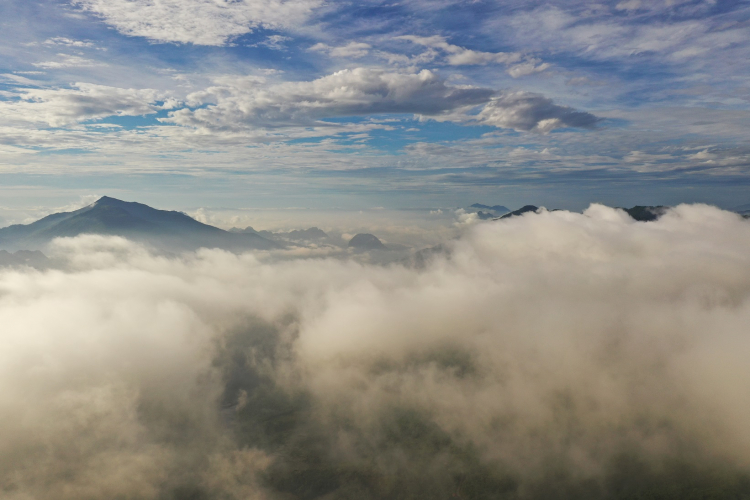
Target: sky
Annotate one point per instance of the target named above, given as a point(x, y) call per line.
point(273, 104)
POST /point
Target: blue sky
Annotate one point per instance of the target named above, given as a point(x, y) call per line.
point(423, 103)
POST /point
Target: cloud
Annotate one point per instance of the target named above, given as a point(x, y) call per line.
point(532, 112)
point(83, 101)
point(274, 42)
point(354, 50)
point(459, 56)
point(520, 65)
point(251, 102)
point(69, 61)
point(200, 22)
point(555, 352)
point(608, 37)
point(68, 42)
point(241, 102)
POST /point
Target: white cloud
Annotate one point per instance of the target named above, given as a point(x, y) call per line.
point(201, 22)
point(608, 37)
point(527, 68)
point(532, 112)
point(68, 42)
point(69, 61)
point(458, 56)
point(84, 101)
point(239, 102)
point(585, 341)
point(274, 42)
point(629, 5)
point(519, 65)
point(354, 50)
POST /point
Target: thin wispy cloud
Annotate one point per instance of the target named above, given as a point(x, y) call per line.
point(200, 22)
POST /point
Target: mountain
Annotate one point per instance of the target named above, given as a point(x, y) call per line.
point(162, 229)
point(520, 211)
point(30, 258)
point(743, 210)
point(312, 233)
point(644, 213)
point(497, 209)
point(364, 241)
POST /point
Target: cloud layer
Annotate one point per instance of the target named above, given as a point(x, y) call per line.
point(200, 22)
point(582, 354)
point(355, 92)
point(242, 102)
point(84, 101)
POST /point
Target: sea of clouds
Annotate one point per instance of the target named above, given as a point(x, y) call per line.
point(553, 355)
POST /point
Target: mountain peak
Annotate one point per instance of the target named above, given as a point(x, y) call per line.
point(107, 200)
point(520, 211)
point(161, 229)
point(366, 241)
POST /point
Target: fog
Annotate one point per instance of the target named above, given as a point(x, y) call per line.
point(553, 355)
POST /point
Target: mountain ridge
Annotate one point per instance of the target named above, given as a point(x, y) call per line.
point(161, 229)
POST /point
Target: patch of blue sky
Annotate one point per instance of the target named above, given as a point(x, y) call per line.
point(65, 152)
point(409, 130)
point(131, 122)
point(379, 18)
point(304, 140)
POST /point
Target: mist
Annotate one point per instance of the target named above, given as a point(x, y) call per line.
point(551, 355)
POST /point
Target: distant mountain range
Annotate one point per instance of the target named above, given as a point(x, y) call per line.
point(161, 229)
point(640, 213)
point(31, 258)
point(175, 231)
point(312, 235)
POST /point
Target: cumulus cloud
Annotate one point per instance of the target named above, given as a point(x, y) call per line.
point(235, 103)
point(532, 112)
point(241, 102)
point(83, 101)
point(582, 354)
point(201, 22)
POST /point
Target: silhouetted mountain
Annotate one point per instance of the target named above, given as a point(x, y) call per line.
point(162, 229)
point(520, 211)
point(485, 215)
point(646, 213)
point(312, 233)
point(248, 229)
point(364, 241)
point(497, 209)
point(31, 258)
